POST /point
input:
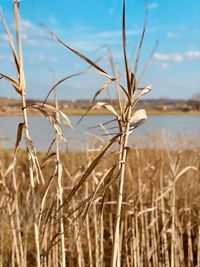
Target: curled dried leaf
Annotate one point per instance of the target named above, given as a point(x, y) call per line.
point(138, 118)
point(12, 81)
point(50, 112)
point(144, 91)
point(19, 135)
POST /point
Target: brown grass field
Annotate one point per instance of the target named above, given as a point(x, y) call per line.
point(160, 210)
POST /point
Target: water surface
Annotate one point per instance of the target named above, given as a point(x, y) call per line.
point(184, 127)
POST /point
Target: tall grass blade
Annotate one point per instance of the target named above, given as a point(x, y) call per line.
point(99, 105)
point(90, 168)
point(89, 61)
point(12, 81)
point(22, 82)
point(19, 135)
point(124, 48)
point(10, 39)
point(141, 41)
point(61, 81)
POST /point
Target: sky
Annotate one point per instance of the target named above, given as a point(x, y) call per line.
point(91, 26)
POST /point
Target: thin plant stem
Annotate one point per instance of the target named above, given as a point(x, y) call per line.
point(115, 249)
point(32, 183)
point(60, 191)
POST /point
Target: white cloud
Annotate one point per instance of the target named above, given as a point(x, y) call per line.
point(172, 34)
point(2, 57)
point(164, 65)
point(116, 34)
point(152, 6)
point(193, 54)
point(33, 35)
point(26, 25)
point(90, 40)
point(169, 57)
point(36, 58)
point(166, 58)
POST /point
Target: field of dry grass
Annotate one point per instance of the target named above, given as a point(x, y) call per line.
point(160, 210)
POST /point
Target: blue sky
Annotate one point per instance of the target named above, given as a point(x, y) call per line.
point(87, 25)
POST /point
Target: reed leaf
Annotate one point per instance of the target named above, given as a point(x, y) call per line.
point(99, 105)
point(141, 42)
point(34, 160)
point(12, 81)
point(90, 168)
point(138, 118)
point(22, 82)
point(61, 81)
point(104, 87)
point(10, 39)
point(86, 59)
point(50, 112)
point(19, 135)
point(124, 48)
point(47, 159)
point(95, 194)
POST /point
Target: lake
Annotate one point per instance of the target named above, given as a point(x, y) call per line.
point(178, 130)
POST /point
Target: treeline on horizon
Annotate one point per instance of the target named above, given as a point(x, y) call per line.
point(148, 103)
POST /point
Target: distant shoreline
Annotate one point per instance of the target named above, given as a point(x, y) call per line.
point(81, 112)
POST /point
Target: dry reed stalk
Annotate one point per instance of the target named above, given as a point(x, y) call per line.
point(164, 212)
point(153, 238)
point(15, 248)
point(138, 239)
point(111, 223)
point(77, 239)
point(15, 215)
point(53, 236)
point(87, 221)
point(11, 208)
point(17, 212)
point(173, 166)
point(20, 87)
point(13, 255)
point(96, 234)
point(32, 183)
point(126, 232)
point(60, 191)
point(1, 246)
point(148, 255)
point(123, 147)
point(119, 261)
point(152, 230)
point(198, 241)
point(133, 228)
point(144, 254)
point(101, 230)
point(181, 243)
point(115, 253)
point(157, 233)
point(190, 261)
